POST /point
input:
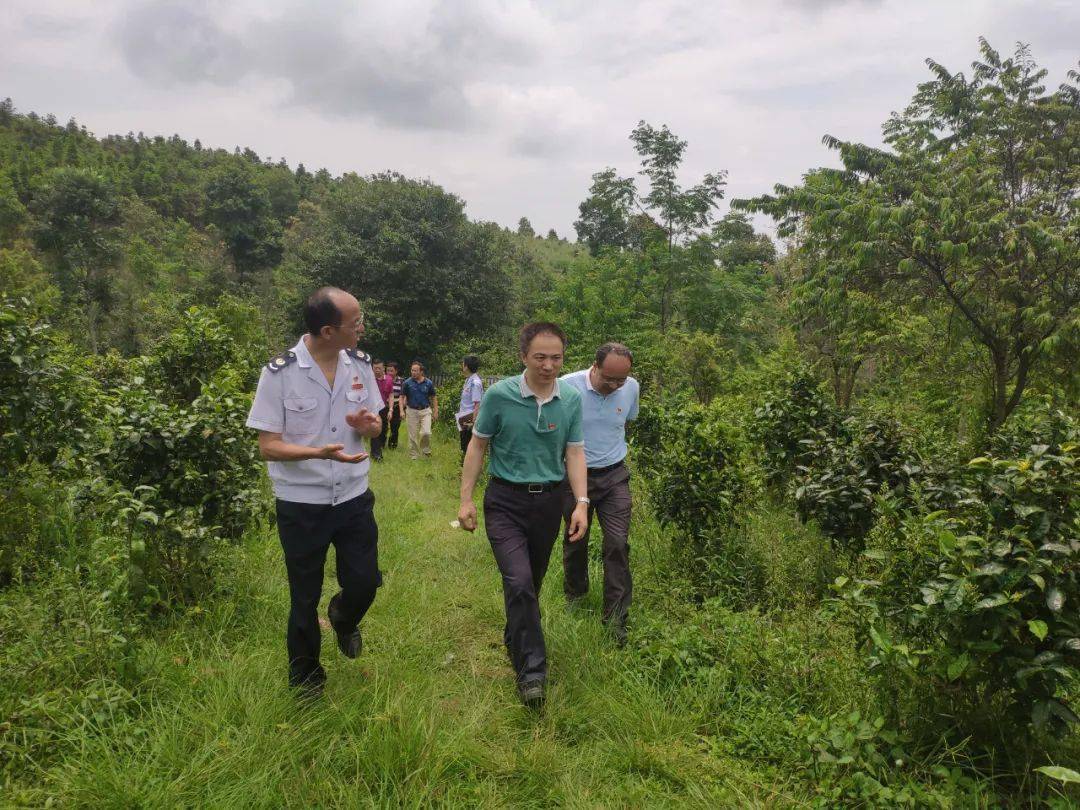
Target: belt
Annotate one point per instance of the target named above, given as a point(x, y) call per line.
point(608, 468)
point(535, 489)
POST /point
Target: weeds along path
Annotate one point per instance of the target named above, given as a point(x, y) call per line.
point(427, 716)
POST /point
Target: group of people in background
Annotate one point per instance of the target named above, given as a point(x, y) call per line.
point(411, 399)
point(557, 450)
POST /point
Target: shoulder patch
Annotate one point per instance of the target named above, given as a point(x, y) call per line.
point(356, 354)
point(282, 360)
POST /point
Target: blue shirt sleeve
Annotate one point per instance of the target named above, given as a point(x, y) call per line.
point(633, 412)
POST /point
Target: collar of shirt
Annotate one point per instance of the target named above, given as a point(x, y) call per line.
point(527, 392)
point(305, 360)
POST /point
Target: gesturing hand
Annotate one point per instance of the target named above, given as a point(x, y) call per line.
point(364, 421)
point(334, 453)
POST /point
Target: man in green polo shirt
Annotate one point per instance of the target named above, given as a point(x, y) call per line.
point(533, 425)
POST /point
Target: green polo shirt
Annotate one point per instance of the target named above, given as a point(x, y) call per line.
point(529, 437)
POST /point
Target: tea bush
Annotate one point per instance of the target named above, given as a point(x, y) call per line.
point(975, 603)
point(841, 475)
point(786, 423)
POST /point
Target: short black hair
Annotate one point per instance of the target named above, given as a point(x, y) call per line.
point(471, 362)
point(417, 363)
point(320, 310)
point(531, 330)
point(394, 364)
point(617, 349)
point(377, 362)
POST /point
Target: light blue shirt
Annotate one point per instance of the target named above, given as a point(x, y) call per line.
point(295, 400)
point(471, 394)
point(604, 418)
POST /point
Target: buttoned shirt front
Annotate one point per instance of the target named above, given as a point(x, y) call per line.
point(296, 400)
point(604, 418)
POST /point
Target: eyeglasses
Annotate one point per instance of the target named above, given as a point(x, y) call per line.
point(353, 326)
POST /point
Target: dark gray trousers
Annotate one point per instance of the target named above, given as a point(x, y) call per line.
point(609, 500)
point(522, 528)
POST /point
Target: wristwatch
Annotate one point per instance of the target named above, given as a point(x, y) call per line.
point(583, 500)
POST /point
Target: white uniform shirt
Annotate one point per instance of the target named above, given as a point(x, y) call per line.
point(295, 400)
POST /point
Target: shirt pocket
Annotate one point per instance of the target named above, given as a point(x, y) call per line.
point(301, 416)
point(355, 397)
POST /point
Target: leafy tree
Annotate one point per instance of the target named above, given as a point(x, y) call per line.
point(77, 214)
point(604, 216)
point(241, 209)
point(406, 249)
point(525, 228)
point(975, 206)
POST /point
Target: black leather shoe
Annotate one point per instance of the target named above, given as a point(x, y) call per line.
point(532, 693)
point(348, 641)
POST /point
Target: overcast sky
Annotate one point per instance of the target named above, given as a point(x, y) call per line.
point(511, 105)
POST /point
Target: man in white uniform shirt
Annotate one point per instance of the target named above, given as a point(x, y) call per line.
point(609, 399)
point(314, 406)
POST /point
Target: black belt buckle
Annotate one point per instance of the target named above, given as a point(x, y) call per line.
point(536, 489)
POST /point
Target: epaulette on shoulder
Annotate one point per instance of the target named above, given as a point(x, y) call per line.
point(356, 354)
point(282, 360)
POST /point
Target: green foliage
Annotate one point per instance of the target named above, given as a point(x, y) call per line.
point(700, 485)
point(789, 419)
point(205, 341)
point(977, 601)
point(44, 409)
point(976, 196)
point(843, 474)
point(412, 238)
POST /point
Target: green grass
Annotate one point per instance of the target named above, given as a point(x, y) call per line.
point(427, 716)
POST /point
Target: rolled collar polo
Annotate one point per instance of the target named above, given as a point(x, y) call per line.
point(529, 436)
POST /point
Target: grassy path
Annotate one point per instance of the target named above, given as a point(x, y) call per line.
point(427, 716)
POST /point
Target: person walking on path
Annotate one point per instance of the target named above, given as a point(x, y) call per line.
point(393, 370)
point(386, 387)
point(420, 406)
point(532, 424)
point(471, 394)
point(313, 407)
point(609, 399)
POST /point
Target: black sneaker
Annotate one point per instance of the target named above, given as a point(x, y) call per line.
point(532, 693)
point(348, 641)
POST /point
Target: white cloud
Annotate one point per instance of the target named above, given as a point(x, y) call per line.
point(509, 103)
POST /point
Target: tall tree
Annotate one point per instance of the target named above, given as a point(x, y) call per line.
point(604, 216)
point(525, 228)
point(681, 213)
point(974, 204)
point(77, 216)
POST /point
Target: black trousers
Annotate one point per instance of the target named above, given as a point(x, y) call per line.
point(379, 442)
point(395, 426)
point(466, 437)
point(522, 528)
point(306, 532)
point(609, 500)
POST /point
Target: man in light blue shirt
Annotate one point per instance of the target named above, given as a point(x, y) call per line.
point(609, 399)
point(471, 394)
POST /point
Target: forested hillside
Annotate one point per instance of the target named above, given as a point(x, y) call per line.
point(857, 466)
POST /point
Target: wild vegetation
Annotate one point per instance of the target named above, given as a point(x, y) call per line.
point(857, 474)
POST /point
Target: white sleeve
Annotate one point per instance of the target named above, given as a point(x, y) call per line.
point(267, 410)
